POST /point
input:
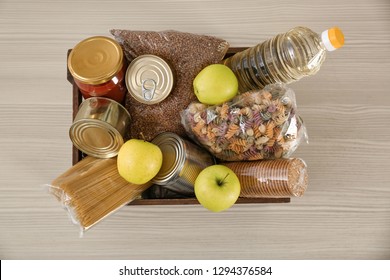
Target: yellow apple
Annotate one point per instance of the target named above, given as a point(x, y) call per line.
point(139, 161)
point(217, 188)
point(215, 84)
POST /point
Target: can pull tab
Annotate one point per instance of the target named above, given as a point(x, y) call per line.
point(148, 93)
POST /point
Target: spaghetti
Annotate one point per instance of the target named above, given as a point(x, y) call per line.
point(92, 189)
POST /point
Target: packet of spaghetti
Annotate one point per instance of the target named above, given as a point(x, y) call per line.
point(92, 189)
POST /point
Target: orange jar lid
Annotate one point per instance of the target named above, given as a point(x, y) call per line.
point(332, 38)
point(95, 60)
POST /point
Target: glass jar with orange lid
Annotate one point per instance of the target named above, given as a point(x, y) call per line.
point(98, 67)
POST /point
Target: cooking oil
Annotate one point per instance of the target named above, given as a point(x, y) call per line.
point(284, 58)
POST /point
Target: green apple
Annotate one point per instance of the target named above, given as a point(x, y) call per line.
point(215, 84)
point(139, 161)
point(217, 188)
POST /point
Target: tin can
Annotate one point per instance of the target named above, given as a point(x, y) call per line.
point(182, 163)
point(100, 127)
point(159, 192)
point(98, 67)
point(149, 79)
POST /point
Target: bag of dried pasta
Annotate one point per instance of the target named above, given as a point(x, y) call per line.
point(260, 124)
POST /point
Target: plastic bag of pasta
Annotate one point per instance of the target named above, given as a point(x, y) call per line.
point(260, 124)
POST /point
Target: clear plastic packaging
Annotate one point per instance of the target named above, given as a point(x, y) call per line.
point(92, 189)
point(187, 54)
point(271, 178)
point(255, 125)
point(285, 58)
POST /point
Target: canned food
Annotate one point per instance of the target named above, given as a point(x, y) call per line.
point(98, 68)
point(100, 127)
point(149, 79)
point(182, 163)
point(159, 192)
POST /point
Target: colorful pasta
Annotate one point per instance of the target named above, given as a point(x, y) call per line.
point(252, 126)
point(232, 130)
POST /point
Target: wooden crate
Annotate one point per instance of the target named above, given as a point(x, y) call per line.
point(77, 156)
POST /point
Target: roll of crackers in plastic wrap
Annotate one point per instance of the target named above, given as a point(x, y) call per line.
point(271, 178)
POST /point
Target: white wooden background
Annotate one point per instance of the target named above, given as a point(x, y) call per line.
point(345, 213)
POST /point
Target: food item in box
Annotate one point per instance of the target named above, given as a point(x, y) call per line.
point(217, 188)
point(98, 68)
point(215, 84)
point(149, 79)
point(92, 189)
point(285, 58)
point(182, 163)
point(255, 125)
point(139, 161)
point(160, 192)
point(271, 178)
point(188, 54)
point(100, 127)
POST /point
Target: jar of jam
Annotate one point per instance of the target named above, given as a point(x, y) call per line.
point(98, 67)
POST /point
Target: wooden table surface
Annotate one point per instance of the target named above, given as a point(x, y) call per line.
point(345, 213)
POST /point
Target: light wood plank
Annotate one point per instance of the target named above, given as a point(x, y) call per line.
point(345, 214)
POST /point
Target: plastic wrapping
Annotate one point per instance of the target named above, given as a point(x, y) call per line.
point(285, 58)
point(92, 189)
point(187, 54)
point(255, 125)
point(271, 178)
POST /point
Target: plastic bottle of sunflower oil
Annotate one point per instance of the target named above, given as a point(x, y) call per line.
point(285, 58)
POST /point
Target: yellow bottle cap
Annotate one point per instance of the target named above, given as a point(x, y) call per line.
point(336, 37)
point(333, 38)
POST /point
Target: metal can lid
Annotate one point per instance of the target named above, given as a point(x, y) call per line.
point(173, 150)
point(96, 138)
point(149, 79)
point(99, 127)
point(95, 60)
